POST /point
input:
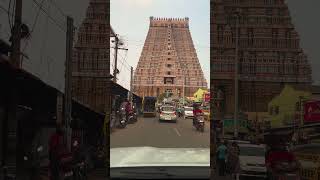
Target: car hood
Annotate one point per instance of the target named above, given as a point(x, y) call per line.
point(150, 157)
point(252, 160)
point(189, 112)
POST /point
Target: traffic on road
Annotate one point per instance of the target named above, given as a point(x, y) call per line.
point(166, 134)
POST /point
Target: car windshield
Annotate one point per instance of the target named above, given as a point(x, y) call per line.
point(188, 109)
point(251, 151)
point(168, 108)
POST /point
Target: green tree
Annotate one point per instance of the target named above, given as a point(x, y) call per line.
point(161, 97)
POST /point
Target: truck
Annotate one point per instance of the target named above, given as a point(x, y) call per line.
point(149, 106)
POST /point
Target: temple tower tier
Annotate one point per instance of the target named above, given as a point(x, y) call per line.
point(168, 62)
point(268, 53)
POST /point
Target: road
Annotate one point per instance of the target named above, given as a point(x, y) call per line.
point(150, 132)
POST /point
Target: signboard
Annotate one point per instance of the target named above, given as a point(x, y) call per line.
point(312, 112)
point(207, 97)
point(229, 125)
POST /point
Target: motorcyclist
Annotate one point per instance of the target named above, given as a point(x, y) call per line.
point(196, 112)
point(78, 156)
point(178, 111)
point(124, 105)
point(55, 148)
point(128, 106)
point(278, 152)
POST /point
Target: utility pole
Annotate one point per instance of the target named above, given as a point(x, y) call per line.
point(117, 43)
point(68, 75)
point(131, 88)
point(115, 71)
point(13, 152)
point(184, 89)
point(301, 103)
point(236, 80)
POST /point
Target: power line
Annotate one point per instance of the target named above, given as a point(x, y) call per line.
point(124, 61)
point(12, 14)
point(6, 10)
point(50, 17)
point(61, 11)
point(57, 7)
point(44, 42)
point(33, 26)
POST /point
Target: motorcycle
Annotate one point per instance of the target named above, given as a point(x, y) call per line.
point(135, 116)
point(79, 162)
point(131, 118)
point(67, 167)
point(285, 170)
point(34, 163)
point(199, 123)
point(79, 171)
point(122, 117)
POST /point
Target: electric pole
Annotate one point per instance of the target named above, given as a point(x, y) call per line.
point(13, 151)
point(115, 71)
point(184, 87)
point(236, 80)
point(68, 75)
point(117, 43)
point(131, 88)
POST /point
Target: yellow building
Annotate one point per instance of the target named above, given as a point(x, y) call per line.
point(285, 108)
point(199, 95)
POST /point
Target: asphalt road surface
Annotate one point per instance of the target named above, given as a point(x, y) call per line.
point(150, 132)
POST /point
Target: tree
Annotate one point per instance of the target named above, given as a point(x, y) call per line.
point(161, 97)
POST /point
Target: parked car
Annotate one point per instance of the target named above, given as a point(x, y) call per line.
point(252, 160)
point(168, 113)
point(188, 112)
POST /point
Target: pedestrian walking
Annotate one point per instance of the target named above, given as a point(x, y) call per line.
point(221, 158)
point(233, 159)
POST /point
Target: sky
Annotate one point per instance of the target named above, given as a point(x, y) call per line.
point(46, 48)
point(130, 19)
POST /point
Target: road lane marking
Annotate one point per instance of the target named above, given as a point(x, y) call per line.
point(177, 131)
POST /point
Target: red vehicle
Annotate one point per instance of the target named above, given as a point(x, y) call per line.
point(281, 163)
point(312, 112)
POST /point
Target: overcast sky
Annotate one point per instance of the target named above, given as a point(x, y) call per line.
point(46, 46)
point(130, 19)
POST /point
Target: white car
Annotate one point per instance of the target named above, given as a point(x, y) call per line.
point(188, 112)
point(252, 160)
point(168, 113)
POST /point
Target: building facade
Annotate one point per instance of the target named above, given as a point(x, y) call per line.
point(268, 52)
point(168, 62)
point(91, 64)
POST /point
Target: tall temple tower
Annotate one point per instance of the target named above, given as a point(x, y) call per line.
point(91, 64)
point(268, 52)
point(168, 62)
